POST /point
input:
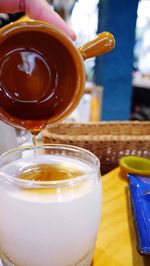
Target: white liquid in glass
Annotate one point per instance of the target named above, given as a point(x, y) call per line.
point(55, 228)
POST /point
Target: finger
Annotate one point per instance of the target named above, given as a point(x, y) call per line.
point(40, 10)
point(43, 11)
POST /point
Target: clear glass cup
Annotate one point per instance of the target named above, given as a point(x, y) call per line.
point(51, 223)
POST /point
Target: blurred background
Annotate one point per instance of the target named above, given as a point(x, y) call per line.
point(118, 83)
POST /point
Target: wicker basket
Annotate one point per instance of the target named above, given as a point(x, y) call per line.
point(108, 140)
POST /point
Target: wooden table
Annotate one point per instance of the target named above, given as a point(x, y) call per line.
point(116, 242)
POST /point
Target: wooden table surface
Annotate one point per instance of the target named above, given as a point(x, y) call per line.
point(116, 242)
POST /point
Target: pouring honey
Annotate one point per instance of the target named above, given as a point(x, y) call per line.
point(42, 80)
point(42, 74)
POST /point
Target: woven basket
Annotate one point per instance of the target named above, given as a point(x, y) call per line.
point(108, 140)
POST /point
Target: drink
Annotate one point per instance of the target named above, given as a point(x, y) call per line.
point(52, 218)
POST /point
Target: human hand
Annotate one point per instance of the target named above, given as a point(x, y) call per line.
point(36, 9)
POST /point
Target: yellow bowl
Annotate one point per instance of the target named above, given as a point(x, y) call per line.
point(134, 165)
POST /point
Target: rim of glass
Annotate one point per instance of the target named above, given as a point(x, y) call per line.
point(51, 184)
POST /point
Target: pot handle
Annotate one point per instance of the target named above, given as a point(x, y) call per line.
point(102, 44)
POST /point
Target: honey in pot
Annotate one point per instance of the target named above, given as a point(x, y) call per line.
point(31, 87)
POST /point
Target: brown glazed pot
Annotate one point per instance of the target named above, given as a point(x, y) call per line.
point(42, 75)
